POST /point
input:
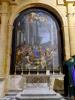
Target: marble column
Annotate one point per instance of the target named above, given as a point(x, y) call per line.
point(3, 38)
point(71, 27)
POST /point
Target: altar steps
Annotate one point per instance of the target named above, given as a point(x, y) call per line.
point(35, 91)
point(11, 95)
point(38, 91)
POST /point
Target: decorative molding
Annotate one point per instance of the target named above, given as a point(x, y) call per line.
point(60, 2)
point(64, 2)
point(2, 77)
point(70, 14)
point(70, 0)
point(12, 2)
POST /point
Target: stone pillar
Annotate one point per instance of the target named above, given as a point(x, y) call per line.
point(9, 49)
point(71, 27)
point(66, 42)
point(0, 23)
point(3, 38)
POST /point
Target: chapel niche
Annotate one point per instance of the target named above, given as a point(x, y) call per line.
point(36, 42)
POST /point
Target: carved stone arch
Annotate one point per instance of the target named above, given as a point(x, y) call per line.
point(49, 7)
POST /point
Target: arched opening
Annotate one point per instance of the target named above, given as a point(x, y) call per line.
point(36, 42)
